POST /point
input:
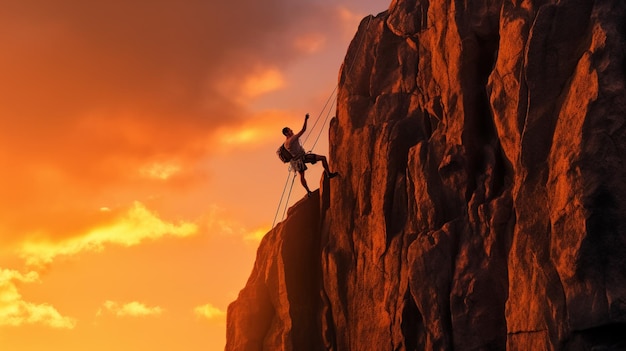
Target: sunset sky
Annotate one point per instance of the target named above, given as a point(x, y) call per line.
point(137, 150)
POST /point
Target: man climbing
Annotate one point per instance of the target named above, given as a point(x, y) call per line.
point(300, 157)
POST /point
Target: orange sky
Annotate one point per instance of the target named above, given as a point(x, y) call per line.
point(137, 148)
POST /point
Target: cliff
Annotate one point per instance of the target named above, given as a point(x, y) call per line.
point(482, 197)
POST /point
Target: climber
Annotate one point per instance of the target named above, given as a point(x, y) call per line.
point(300, 157)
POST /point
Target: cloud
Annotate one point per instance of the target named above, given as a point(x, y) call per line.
point(310, 43)
point(264, 128)
point(130, 309)
point(219, 220)
point(137, 225)
point(257, 235)
point(210, 312)
point(164, 62)
point(97, 92)
point(14, 311)
point(254, 82)
point(160, 170)
point(266, 81)
point(104, 98)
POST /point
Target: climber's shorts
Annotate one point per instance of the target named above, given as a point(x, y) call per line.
point(299, 164)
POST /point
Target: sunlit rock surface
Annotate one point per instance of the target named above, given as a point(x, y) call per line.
point(482, 197)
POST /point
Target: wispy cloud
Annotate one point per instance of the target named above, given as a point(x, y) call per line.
point(219, 220)
point(14, 311)
point(256, 235)
point(263, 82)
point(258, 131)
point(89, 127)
point(310, 43)
point(210, 312)
point(137, 225)
point(130, 309)
point(159, 170)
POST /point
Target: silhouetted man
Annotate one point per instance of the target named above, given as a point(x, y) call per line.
point(300, 157)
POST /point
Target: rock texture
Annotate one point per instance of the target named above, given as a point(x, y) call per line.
point(482, 197)
point(278, 307)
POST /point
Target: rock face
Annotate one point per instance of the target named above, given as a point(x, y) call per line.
point(277, 308)
point(482, 197)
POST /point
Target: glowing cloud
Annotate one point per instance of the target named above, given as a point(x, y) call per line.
point(14, 311)
point(158, 170)
point(264, 82)
point(256, 235)
point(131, 309)
point(137, 225)
point(310, 44)
point(210, 312)
point(218, 220)
point(243, 136)
point(263, 128)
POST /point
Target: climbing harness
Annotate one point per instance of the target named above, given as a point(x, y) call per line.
point(286, 157)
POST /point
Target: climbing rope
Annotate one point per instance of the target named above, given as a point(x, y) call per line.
point(323, 124)
point(283, 195)
point(332, 97)
point(320, 115)
point(289, 195)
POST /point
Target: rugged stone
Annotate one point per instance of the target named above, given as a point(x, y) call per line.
point(482, 197)
point(281, 298)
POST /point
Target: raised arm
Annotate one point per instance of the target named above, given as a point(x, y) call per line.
point(306, 118)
